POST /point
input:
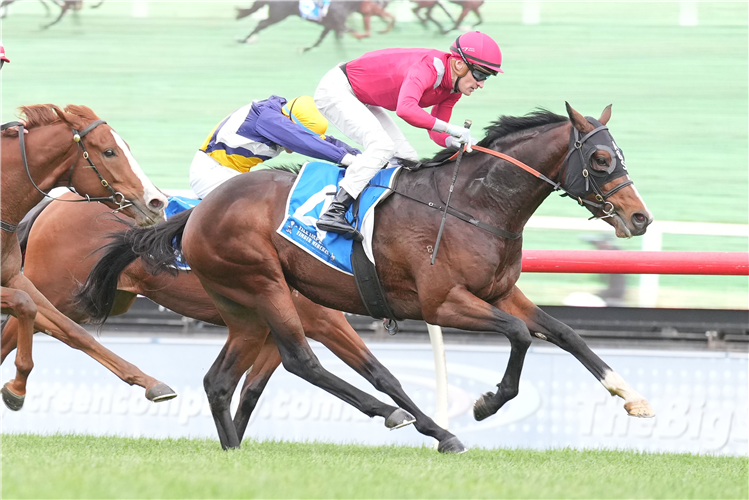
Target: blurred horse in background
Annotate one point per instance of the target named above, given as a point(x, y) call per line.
point(334, 20)
point(467, 6)
point(65, 6)
point(60, 243)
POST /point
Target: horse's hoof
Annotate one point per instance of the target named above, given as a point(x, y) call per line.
point(639, 409)
point(481, 408)
point(399, 418)
point(451, 445)
point(12, 400)
point(160, 392)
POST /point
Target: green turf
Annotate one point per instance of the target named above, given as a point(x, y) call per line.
point(680, 94)
point(94, 467)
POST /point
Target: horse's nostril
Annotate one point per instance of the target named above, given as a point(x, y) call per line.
point(156, 204)
point(639, 219)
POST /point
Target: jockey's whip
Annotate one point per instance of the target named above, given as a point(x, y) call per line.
point(467, 124)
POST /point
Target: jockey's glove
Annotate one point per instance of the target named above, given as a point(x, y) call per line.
point(460, 135)
point(347, 159)
point(453, 143)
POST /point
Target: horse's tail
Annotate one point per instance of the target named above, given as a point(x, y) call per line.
point(159, 248)
point(24, 228)
point(248, 12)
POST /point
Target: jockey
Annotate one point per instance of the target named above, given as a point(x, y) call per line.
point(262, 130)
point(3, 58)
point(355, 95)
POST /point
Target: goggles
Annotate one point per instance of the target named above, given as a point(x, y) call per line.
point(479, 73)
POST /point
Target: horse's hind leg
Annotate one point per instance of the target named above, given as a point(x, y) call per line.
point(319, 40)
point(20, 305)
point(430, 18)
point(552, 330)
point(54, 323)
point(8, 337)
point(63, 9)
point(257, 378)
point(247, 334)
point(331, 329)
point(260, 26)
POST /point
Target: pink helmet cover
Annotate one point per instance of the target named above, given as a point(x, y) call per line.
point(478, 48)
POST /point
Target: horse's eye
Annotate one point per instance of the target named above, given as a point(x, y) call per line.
point(109, 153)
point(601, 161)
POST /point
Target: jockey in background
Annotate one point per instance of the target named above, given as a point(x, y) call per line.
point(262, 130)
point(3, 58)
point(355, 95)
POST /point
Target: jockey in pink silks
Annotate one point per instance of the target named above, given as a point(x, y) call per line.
point(353, 96)
point(3, 58)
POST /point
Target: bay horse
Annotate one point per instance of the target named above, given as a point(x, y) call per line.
point(73, 148)
point(65, 6)
point(231, 243)
point(335, 19)
point(61, 241)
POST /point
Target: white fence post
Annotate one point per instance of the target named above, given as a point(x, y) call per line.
point(440, 375)
point(140, 9)
point(688, 14)
point(652, 241)
point(531, 12)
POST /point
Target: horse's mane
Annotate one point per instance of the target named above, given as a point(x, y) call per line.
point(38, 115)
point(507, 125)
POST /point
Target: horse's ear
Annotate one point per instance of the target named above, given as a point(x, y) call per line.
point(606, 115)
point(578, 120)
point(68, 118)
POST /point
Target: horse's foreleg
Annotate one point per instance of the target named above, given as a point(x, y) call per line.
point(552, 330)
point(20, 305)
point(254, 385)
point(330, 328)
point(461, 309)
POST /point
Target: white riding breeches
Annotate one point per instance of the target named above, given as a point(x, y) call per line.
point(206, 174)
point(370, 126)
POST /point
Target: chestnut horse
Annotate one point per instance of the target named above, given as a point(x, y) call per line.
point(72, 148)
point(60, 243)
point(231, 243)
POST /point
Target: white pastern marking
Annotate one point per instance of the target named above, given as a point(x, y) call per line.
point(149, 190)
point(616, 385)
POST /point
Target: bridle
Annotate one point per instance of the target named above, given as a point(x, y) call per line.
point(569, 182)
point(568, 185)
point(116, 197)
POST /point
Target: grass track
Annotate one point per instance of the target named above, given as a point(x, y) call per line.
point(98, 467)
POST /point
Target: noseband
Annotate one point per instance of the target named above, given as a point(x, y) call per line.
point(116, 197)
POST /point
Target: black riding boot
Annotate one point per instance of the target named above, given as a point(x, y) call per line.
point(335, 218)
